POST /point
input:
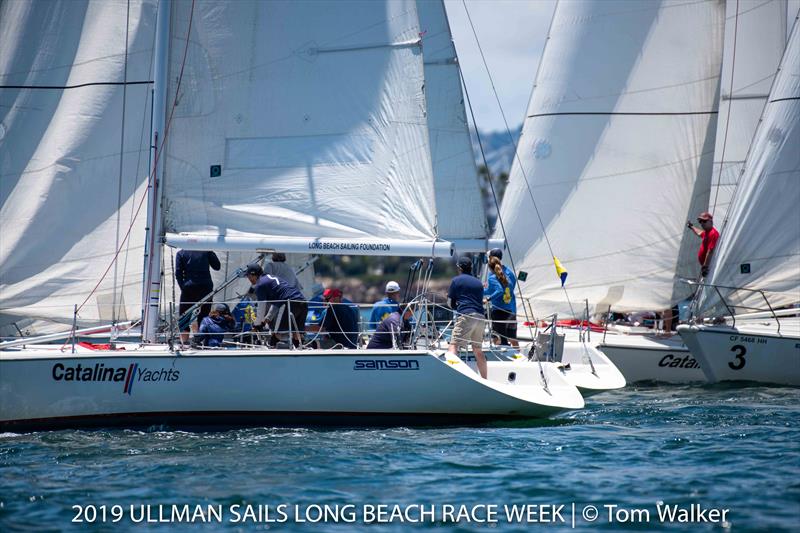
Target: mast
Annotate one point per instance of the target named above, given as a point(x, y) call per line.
point(151, 291)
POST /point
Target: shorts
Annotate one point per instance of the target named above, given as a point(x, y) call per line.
point(468, 329)
point(192, 295)
point(504, 323)
point(299, 310)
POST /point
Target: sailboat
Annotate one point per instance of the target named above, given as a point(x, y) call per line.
point(284, 126)
point(616, 153)
point(756, 268)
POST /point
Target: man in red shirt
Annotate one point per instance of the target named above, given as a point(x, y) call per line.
point(709, 237)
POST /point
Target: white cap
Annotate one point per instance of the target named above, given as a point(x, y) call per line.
point(392, 286)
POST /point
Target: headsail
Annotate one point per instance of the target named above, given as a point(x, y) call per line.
point(74, 145)
point(299, 120)
point(617, 151)
point(755, 38)
point(759, 247)
point(459, 206)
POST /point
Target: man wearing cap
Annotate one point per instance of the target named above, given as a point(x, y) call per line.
point(339, 321)
point(388, 305)
point(708, 239)
point(466, 297)
point(275, 293)
point(193, 274)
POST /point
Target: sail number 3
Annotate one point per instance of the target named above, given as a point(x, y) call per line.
point(739, 361)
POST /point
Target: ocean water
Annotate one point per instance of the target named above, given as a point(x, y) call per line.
point(733, 449)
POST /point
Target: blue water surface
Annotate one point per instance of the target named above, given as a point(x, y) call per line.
point(724, 447)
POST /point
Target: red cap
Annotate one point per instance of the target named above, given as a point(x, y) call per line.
point(705, 215)
point(331, 293)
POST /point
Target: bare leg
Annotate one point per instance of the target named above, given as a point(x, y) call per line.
point(480, 360)
point(184, 337)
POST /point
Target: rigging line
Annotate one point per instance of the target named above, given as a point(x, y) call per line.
point(730, 102)
point(784, 99)
point(491, 186)
point(624, 113)
point(163, 141)
point(80, 85)
point(121, 160)
point(516, 154)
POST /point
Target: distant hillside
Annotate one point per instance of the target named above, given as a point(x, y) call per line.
point(499, 149)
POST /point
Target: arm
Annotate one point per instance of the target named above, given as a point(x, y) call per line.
point(213, 261)
point(696, 231)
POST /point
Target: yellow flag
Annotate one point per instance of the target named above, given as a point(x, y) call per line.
point(560, 270)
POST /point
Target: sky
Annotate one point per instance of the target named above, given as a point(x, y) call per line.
point(512, 34)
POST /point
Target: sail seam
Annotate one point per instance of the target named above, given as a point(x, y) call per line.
point(78, 86)
point(626, 113)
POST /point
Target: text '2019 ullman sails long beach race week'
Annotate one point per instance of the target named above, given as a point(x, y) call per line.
point(399, 262)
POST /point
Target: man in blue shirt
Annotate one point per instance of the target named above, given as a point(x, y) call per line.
point(388, 305)
point(393, 331)
point(214, 327)
point(466, 297)
point(276, 294)
point(193, 274)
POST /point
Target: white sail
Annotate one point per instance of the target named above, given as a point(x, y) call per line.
point(759, 247)
point(73, 160)
point(617, 151)
point(459, 206)
point(755, 38)
point(313, 113)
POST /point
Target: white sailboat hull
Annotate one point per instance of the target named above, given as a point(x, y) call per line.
point(590, 378)
point(640, 358)
point(738, 354)
point(41, 388)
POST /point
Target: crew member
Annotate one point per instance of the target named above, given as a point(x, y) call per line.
point(278, 268)
point(500, 286)
point(386, 306)
point(708, 239)
point(340, 321)
point(280, 305)
point(214, 327)
point(393, 331)
point(193, 274)
point(466, 297)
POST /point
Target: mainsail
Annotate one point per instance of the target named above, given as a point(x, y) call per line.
point(617, 151)
point(759, 247)
point(755, 37)
point(74, 127)
point(298, 120)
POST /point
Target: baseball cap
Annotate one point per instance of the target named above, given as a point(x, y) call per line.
point(221, 308)
point(392, 286)
point(331, 293)
point(705, 215)
point(465, 264)
point(496, 252)
point(254, 269)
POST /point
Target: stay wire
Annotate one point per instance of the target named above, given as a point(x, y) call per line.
point(516, 156)
point(730, 103)
point(121, 161)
